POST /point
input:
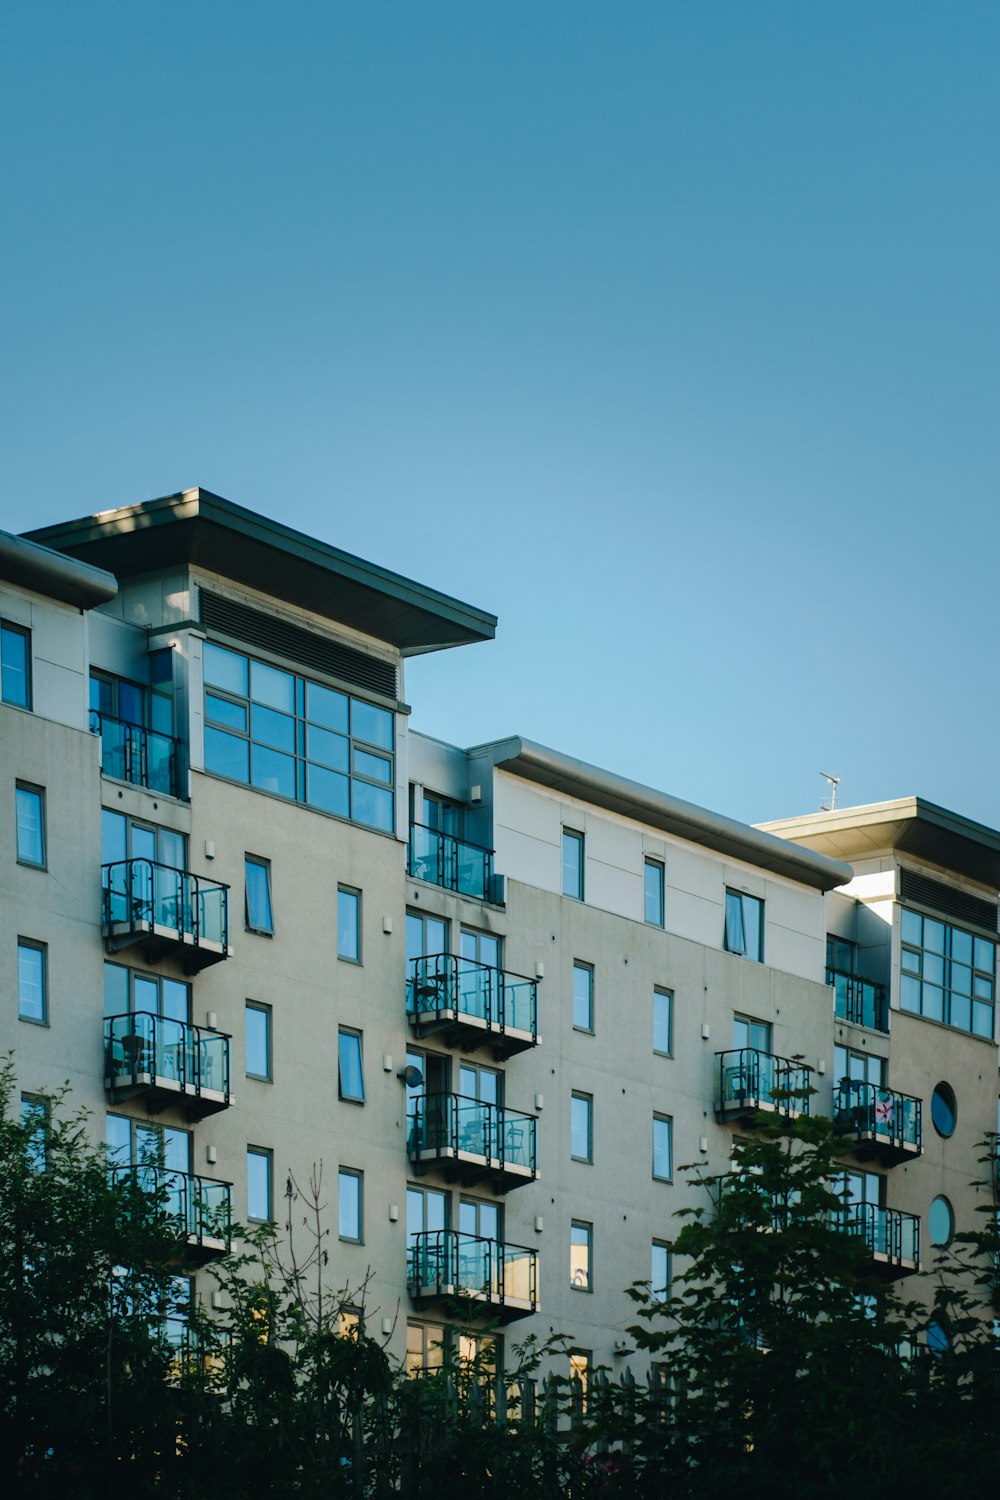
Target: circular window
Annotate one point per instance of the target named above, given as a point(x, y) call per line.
point(941, 1222)
point(938, 1337)
point(944, 1110)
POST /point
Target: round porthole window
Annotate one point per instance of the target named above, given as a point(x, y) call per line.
point(944, 1110)
point(941, 1222)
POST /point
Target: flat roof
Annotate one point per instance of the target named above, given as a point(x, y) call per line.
point(908, 825)
point(195, 526)
point(644, 804)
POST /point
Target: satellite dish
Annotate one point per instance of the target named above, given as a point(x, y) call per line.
point(411, 1076)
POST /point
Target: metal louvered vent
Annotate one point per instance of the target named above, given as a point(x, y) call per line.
point(945, 899)
point(298, 645)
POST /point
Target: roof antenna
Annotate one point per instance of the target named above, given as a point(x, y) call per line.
point(834, 784)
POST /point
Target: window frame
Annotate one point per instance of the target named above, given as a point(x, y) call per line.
point(573, 838)
point(587, 1101)
point(351, 1033)
point(260, 863)
point(262, 1009)
point(351, 893)
point(355, 1175)
point(660, 1291)
point(265, 1155)
point(588, 969)
point(667, 1120)
point(652, 865)
point(30, 789)
point(738, 946)
point(661, 992)
point(34, 945)
point(8, 628)
point(581, 1279)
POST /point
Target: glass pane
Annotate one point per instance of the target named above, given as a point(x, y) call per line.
point(258, 1050)
point(961, 946)
point(582, 998)
point(327, 749)
point(661, 1148)
point(30, 837)
point(580, 1128)
point(130, 703)
point(350, 1206)
point(118, 1137)
point(662, 1004)
point(933, 968)
point(653, 892)
point(328, 791)
point(175, 1000)
point(258, 1185)
point(351, 1077)
point(114, 837)
point(326, 707)
point(982, 1019)
point(933, 935)
point(961, 979)
point(985, 958)
point(960, 1011)
point(258, 896)
point(371, 805)
point(753, 927)
point(348, 925)
point(225, 669)
point(222, 711)
point(31, 983)
point(910, 926)
point(271, 728)
point(273, 772)
point(14, 667)
point(225, 755)
point(909, 994)
point(371, 724)
point(375, 766)
point(572, 865)
point(271, 687)
point(145, 994)
point(115, 990)
point(933, 1002)
point(735, 938)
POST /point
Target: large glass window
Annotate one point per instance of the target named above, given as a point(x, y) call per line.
point(947, 974)
point(654, 884)
point(259, 917)
point(15, 665)
point(583, 997)
point(32, 1000)
point(300, 740)
point(581, 1237)
point(745, 925)
point(351, 1078)
point(572, 864)
point(581, 1127)
point(30, 813)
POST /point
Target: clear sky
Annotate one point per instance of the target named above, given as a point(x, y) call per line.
point(668, 331)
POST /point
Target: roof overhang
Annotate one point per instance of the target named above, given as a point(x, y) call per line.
point(49, 572)
point(199, 528)
point(908, 825)
point(684, 820)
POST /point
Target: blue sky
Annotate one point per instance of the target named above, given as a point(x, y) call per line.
point(669, 332)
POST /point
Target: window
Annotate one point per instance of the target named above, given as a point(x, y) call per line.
point(32, 1000)
point(857, 1067)
point(654, 883)
point(424, 1348)
point(947, 974)
point(480, 947)
point(259, 1188)
point(351, 1204)
point(258, 1041)
point(944, 1110)
point(123, 837)
point(745, 925)
point(583, 997)
point(297, 739)
point(34, 1122)
point(579, 1376)
point(581, 1237)
point(941, 1222)
point(581, 1120)
point(572, 864)
point(259, 917)
point(349, 924)
point(660, 1272)
point(663, 1147)
point(484, 1085)
point(15, 665)
point(351, 1079)
point(841, 954)
point(479, 1218)
point(663, 1022)
point(128, 990)
point(30, 808)
point(425, 936)
point(749, 1032)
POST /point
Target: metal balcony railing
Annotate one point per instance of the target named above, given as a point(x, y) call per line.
point(879, 1117)
point(446, 1263)
point(201, 1207)
point(142, 899)
point(130, 753)
point(749, 1080)
point(166, 1060)
point(454, 1128)
point(451, 862)
point(892, 1237)
point(860, 1001)
point(444, 989)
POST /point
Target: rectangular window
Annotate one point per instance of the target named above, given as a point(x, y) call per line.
point(351, 1205)
point(663, 1129)
point(128, 990)
point(34, 1122)
point(654, 887)
point(258, 1041)
point(745, 925)
point(583, 997)
point(946, 974)
point(30, 809)
point(424, 1348)
point(581, 1237)
point(857, 1067)
point(581, 1127)
point(15, 665)
point(259, 917)
point(660, 1272)
point(292, 737)
point(349, 924)
point(579, 1377)
point(351, 1078)
point(663, 1022)
point(260, 1203)
point(572, 864)
point(32, 1000)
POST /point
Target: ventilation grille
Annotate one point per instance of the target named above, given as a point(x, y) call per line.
point(297, 645)
point(947, 900)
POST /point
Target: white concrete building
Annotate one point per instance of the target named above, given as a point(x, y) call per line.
point(505, 997)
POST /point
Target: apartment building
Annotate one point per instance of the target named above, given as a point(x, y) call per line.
point(507, 999)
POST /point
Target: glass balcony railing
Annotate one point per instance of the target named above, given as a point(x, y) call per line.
point(450, 862)
point(879, 1118)
point(750, 1080)
point(143, 757)
point(143, 900)
point(445, 990)
point(860, 1001)
point(892, 1237)
point(166, 1060)
point(447, 1263)
point(455, 1129)
point(201, 1207)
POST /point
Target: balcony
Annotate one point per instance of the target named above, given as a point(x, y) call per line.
point(751, 1082)
point(140, 756)
point(862, 1002)
point(883, 1125)
point(469, 1140)
point(892, 1238)
point(452, 863)
point(200, 1207)
point(166, 1062)
point(167, 911)
point(446, 1265)
point(471, 1004)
